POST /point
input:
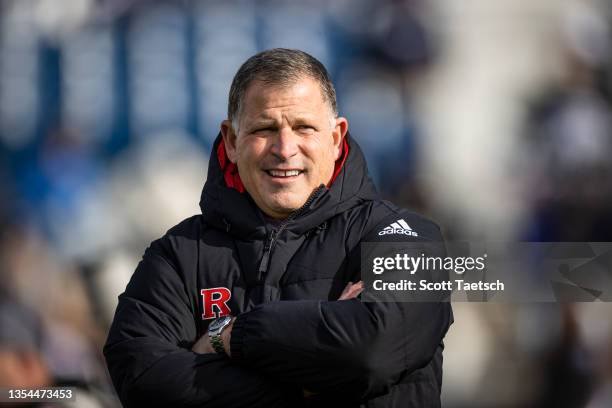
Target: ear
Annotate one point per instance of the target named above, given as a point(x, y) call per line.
point(338, 134)
point(229, 139)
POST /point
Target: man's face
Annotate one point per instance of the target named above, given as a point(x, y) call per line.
point(287, 144)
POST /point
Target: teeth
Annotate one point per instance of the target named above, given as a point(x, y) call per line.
point(279, 173)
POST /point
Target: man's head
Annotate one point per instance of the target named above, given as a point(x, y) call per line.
point(282, 130)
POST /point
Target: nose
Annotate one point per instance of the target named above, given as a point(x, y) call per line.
point(285, 144)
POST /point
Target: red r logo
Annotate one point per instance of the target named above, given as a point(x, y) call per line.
point(215, 297)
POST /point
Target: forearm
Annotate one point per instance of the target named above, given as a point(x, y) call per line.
point(148, 348)
point(150, 367)
point(363, 347)
point(181, 378)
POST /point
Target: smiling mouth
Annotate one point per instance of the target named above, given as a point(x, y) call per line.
point(284, 173)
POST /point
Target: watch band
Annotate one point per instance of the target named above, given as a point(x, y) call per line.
point(217, 342)
point(214, 333)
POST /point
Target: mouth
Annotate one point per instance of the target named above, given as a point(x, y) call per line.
point(286, 174)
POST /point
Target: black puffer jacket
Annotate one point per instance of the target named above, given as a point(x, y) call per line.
point(282, 282)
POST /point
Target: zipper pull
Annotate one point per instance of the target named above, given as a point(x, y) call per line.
point(265, 260)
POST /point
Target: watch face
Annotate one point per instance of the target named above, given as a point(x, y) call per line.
point(218, 324)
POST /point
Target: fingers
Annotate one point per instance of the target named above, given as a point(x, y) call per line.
point(351, 290)
point(203, 346)
point(356, 289)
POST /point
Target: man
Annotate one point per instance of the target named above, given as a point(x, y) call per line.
point(251, 303)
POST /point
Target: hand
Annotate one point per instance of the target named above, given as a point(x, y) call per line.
point(204, 346)
point(351, 290)
point(226, 336)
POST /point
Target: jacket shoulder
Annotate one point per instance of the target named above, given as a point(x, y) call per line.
point(189, 228)
point(179, 242)
point(394, 223)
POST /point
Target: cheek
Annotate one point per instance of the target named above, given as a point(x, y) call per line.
point(329, 157)
point(249, 154)
point(321, 149)
point(247, 168)
point(338, 151)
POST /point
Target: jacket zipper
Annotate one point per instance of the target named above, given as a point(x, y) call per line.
point(265, 260)
point(275, 233)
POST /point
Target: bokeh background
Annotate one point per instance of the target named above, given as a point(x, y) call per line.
point(492, 117)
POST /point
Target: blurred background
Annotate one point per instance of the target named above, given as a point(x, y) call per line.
point(492, 117)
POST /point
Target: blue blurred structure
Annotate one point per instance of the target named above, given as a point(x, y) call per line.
point(162, 66)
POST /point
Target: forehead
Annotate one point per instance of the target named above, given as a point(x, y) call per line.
point(300, 96)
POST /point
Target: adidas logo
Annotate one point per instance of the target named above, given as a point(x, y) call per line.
point(399, 227)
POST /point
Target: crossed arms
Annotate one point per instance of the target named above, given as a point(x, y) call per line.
point(358, 350)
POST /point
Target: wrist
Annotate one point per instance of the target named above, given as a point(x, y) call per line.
point(226, 337)
point(218, 332)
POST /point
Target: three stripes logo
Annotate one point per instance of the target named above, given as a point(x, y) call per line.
point(399, 227)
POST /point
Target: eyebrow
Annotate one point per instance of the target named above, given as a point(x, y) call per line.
point(262, 122)
point(264, 119)
point(268, 121)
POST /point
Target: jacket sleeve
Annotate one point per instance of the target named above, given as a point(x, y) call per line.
point(148, 349)
point(351, 348)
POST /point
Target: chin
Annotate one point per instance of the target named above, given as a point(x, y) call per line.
point(286, 206)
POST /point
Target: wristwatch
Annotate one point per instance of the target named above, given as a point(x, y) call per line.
point(214, 332)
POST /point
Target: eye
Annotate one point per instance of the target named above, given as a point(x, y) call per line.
point(305, 129)
point(264, 130)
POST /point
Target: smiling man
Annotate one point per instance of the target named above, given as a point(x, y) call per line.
point(285, 142)
point(254, 302)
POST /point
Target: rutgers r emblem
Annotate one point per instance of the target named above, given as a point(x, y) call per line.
point(214, 301)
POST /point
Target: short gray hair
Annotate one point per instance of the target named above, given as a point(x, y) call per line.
point(278, 66)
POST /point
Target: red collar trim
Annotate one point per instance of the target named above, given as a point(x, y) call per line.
point(232, 178)
point(229, 169)
point(340, 162)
